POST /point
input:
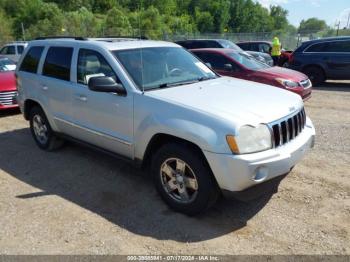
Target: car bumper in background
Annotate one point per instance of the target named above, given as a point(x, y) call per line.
point(8, 99)
point(236, 173)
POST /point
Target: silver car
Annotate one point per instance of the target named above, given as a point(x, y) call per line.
point(13, 50)
point(154, 103)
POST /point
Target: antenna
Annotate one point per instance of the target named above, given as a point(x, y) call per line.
point(141, 51)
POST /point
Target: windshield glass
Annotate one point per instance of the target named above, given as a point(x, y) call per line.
point(7, 65)
point(229, 44)
point(248, 61)
point(159, 67)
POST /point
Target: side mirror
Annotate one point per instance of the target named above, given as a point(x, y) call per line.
point(228, 67)
point(105, 84)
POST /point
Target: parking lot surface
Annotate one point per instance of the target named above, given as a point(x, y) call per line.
point(79, 201)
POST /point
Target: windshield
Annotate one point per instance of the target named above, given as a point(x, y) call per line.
point(248, 61)
point(159, 67)
point(229, 44)
point(7, 65)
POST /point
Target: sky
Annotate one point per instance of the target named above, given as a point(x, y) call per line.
point(331, 11)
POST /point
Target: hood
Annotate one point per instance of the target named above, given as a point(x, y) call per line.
point(238, 101)
point(280, 72)
point(7, 81)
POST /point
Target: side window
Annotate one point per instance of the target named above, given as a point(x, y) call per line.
point(11, 50)
point(264, 48)
point(244, 46)
point(213, 44)
point(339, 47)
point(20, 49)
point(92, 64)
point(216, 61)
point(31, 60)
point(254, 47)
point(58, 62)
point(3, 50)
point(316, 48)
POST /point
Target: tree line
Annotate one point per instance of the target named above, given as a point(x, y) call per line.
point(153, 18)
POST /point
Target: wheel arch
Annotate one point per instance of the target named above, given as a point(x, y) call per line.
point(314, 65)
point(160, 139)
point(28, 105)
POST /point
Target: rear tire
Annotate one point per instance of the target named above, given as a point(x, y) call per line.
point(42, 132)
point(184, 179)
point(315, 74)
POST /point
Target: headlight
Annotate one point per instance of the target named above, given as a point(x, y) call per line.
point(250, 140)
point(287, 83)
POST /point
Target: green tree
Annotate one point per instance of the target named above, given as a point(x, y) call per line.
point(5, 28)
point(279, 16)
point(312, 25)
point(116, 23)
point(82, 23)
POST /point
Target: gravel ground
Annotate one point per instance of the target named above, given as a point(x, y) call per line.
point(78, 201)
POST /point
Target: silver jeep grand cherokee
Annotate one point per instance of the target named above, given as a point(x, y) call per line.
point(153, 102)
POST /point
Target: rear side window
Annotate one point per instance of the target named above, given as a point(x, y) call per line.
point(8, 50)
point(58, 62)
point(339, 47)
point(31, 60)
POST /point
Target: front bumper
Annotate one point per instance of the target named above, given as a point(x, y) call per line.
point(238, 172)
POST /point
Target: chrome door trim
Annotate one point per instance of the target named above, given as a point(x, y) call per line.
point(95, 132)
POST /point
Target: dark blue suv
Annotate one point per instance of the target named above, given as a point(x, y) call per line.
point(323, 59)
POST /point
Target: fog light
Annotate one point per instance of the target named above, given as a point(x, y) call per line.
point(260, 174)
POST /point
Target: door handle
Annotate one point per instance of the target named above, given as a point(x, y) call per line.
point(81, 98)
point(45, 88)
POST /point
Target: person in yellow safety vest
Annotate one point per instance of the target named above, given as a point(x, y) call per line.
point(276, 50)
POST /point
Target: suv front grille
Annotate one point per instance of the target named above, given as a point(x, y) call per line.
point(8, 98)
point(288, 128)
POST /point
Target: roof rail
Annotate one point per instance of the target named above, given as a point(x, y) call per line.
point(124, 37)
point(61, 37)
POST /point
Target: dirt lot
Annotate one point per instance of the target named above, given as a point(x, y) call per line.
point(78, 201)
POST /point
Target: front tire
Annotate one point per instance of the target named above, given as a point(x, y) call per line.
point(42, 132)
point(184, 179)
point(315, 74)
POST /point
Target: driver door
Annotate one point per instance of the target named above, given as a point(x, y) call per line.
point(103, 119)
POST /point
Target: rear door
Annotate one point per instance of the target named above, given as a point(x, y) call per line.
point(337, 58)
point(56, 87)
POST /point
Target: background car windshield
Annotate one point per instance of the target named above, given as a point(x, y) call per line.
point(248, 61)
point(162, 66)
point(229, 44)
point(7, 65)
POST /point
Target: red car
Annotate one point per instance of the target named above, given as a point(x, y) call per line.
point(8, 90)
point(238, 64)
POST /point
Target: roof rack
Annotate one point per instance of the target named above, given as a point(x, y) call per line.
point(104, 38)
point(61, 37)
point(125, 37)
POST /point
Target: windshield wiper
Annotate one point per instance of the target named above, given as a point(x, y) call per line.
point(166, 85)
point(204, 78)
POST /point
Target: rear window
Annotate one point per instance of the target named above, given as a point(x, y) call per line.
point(31, 60)
point(58, 62)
